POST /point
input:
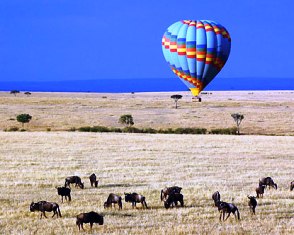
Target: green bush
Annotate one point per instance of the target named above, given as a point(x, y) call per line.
point(224, 131)
point(13, 129)
point(99, 129)
point(115, 129)
point(72, 129)
point(85, 129)
point(166, 131)
point(23, 130)
point(149, 130)
point(130, 129)
point(190, 131)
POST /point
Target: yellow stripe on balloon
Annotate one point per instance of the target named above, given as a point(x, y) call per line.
point(181, 49)
point(191, 52)
point(201, 56)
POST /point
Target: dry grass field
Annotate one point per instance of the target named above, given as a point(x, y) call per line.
point(270, 113)
point(33, 163)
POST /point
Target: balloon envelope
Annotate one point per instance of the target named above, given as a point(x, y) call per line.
point(196, 51)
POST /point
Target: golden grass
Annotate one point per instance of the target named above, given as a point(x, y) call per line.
point(269, 113)
point(33, 163)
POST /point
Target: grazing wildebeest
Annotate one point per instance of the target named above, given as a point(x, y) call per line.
point(228, 208)
point(169, 190)
point(115, 199)
point(134, 198)
point(93, 180)
point(268, 181)
point(252, 203)
point(173, 199)
point(91, 217)
point(291, 185)
point(64, 192)
point(260, 191)
point(216, 197)
point(45, 206)
point(74, 180)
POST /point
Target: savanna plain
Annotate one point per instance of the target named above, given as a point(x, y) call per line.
point(34, 162)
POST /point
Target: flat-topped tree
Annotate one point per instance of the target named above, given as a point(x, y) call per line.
point(14, 92)
point(238, 119)
point(176, 98)
point(27, 93)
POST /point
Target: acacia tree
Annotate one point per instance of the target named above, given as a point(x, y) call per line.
point(27, 93)
point(238, 119)
point(126, 119)
point(14, 92)
point(23, 118)
point(176, 98)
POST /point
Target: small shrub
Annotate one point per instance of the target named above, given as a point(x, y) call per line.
point(23, 130)
point(115, 129)
point(127, 120)
point(85, 129)
point(72, 129)
point(149, 130)
point(190, 131)
point(224, 131)
point(13, 128)
point(166, 131)
point(99, 129)
point(48, 129)
point(130, 129)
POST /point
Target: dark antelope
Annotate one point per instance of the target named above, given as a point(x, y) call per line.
point(45, 206)
point(260, 191)
point(64, 192)
point(91, 217)
point(228, 208)
point(134, 198)
point(113, 199)
point(93, 180)
point(169, 190)
point(74, 180)
point(216, 197)
point(252, 203)
point(174, 199)
point(291, 185)
point(268, 181)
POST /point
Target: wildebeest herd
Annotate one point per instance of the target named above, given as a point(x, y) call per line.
point(170, 196)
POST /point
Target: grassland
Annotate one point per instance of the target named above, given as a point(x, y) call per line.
point(33, 163)
point(266, 113)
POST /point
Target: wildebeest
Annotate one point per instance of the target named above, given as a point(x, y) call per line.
point(252, 203)
point(45, 206)
point(268, 181)
point(173, 199)
point(169, 190)
point(91, 217)
point(260, 191)
point(64, 192)
point(228, 208)
point(216, 197)
point(74, 180)
point(113, 199)
point(93, 180)
point(291, 185)
point(134, 198)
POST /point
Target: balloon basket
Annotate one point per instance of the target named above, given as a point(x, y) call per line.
point(196, 99)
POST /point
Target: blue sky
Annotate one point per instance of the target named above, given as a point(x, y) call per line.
point(94, 39)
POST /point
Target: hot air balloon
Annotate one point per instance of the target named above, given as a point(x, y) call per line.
point(196, 51)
